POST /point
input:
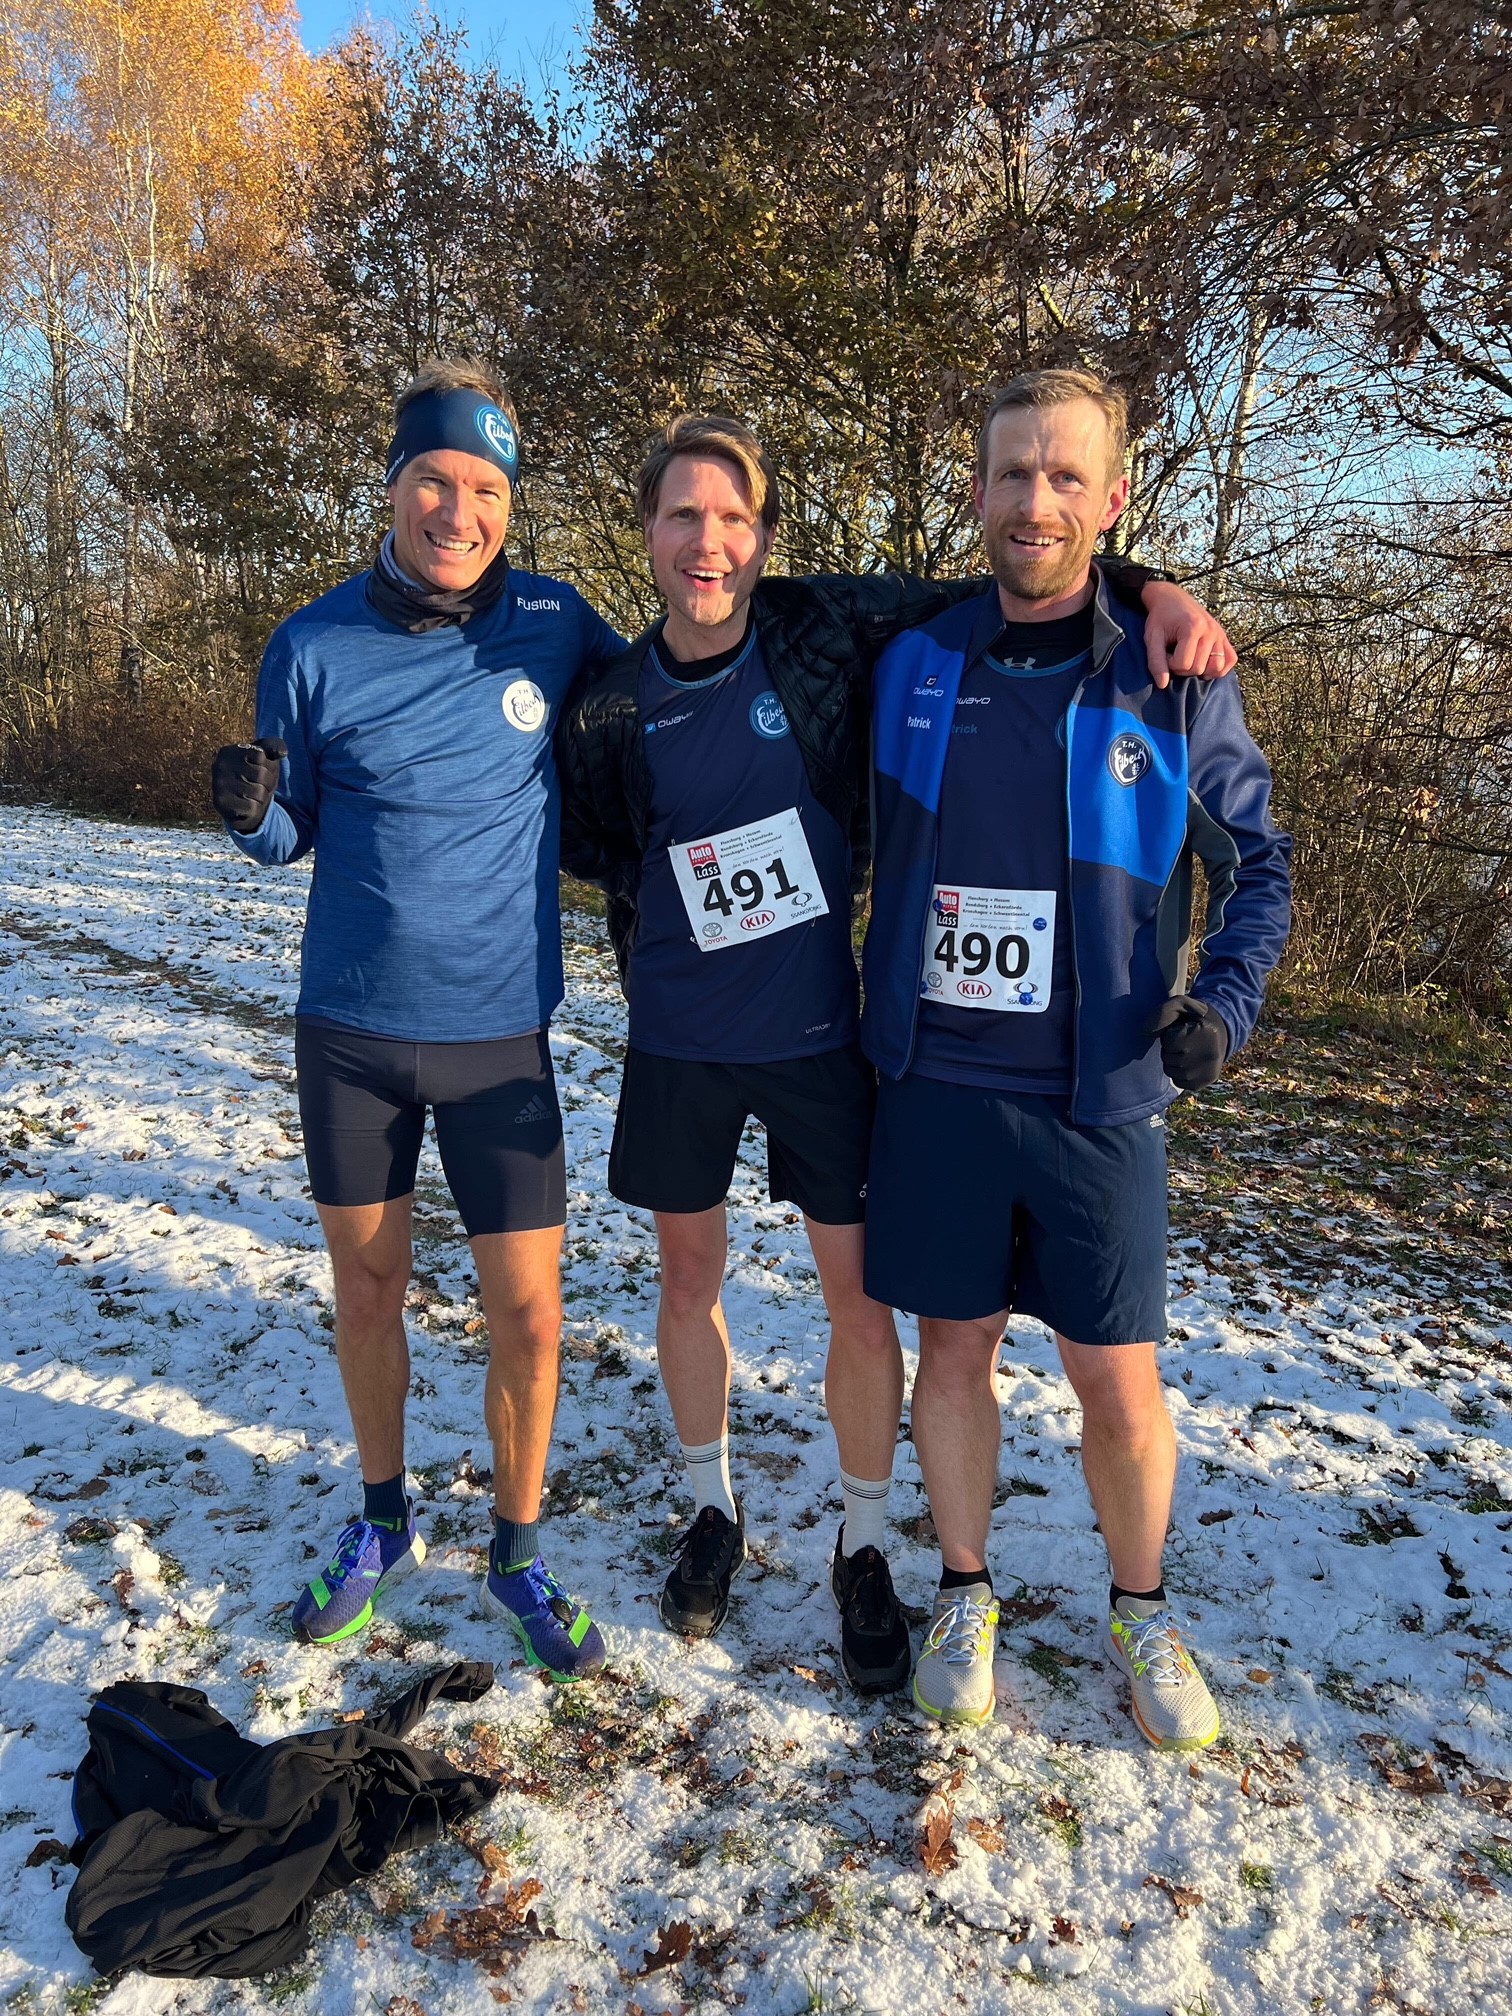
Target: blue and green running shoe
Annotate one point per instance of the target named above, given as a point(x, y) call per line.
point(339, 1602)
point(558, 1634)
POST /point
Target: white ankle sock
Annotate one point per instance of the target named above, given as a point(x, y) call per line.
point(865, 1512)
point(709, 1474)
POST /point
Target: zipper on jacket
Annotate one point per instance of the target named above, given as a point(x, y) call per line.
point(162, 1742)
point(1066, 733)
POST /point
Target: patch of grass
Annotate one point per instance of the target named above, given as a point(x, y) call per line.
point(1257, 1876)
point(1486, 1498)
point(1496, 1853)
point(287, 1987)
point(171, 1571)
point(1380, 1527)
point(1051, 1667)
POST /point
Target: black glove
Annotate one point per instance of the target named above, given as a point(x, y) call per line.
point(243, 778)
point(1194, 1041)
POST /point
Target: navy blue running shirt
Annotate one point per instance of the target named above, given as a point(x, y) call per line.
point(1003, 826)
point(420, 770)
point(722, 756)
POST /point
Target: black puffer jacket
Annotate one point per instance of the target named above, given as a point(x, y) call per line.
point(820, 636)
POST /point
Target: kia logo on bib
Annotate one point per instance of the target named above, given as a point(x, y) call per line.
point(768, 718)
point(758, 920)
point(1129, 756)
point(974, 990)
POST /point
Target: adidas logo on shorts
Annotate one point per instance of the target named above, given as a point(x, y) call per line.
point(535, 1109)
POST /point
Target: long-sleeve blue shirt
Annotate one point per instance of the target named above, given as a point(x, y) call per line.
point(420, 771)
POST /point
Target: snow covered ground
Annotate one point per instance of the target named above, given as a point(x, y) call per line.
point(724, 1826)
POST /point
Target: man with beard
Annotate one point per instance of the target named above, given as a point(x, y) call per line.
point(405, 726)
point(1038, 804)
point(714, 783)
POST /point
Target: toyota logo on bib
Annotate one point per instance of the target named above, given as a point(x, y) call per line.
point(1129, 756)
point(524, 705)
point(768, 718)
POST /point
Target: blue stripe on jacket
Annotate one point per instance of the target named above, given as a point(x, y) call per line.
point(1151, 778)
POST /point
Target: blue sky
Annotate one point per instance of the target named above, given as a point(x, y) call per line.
point(530, 39)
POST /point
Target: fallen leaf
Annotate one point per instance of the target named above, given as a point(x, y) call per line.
point(673, 1944)
point(1494, 1794)
point(1062, 1932)
point(1213, 1518)
point(937, 1850)
point(988, 1838)
point(46, 1851)
point(1183, 1901)
point(1260, 1677)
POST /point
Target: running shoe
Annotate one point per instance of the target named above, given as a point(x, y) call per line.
point(953, 1679)
point(558, 1635)
point(339, 1602)
point(874, 1647)
point(1169, 1697)
point(696, 1597)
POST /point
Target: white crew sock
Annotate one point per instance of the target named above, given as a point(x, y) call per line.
point(709, 1474)
point(865, 1513)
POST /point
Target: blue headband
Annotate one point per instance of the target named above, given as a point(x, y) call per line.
point(465, 421)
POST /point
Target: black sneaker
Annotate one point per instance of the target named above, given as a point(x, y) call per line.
point(696, 1598)
point(874, 1647)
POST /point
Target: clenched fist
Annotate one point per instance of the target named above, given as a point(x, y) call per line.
point(243, 778)
point(1194, 1041)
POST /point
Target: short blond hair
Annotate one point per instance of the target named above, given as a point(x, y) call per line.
point(457, 374)
point(1041, 389)
point(711, 434)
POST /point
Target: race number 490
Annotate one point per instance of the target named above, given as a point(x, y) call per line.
point(1010, 955)
point(748, 888)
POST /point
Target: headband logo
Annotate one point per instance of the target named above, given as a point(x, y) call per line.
point(496, 431)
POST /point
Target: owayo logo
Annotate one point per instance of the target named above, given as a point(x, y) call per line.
point(767, 717)
point(524, 705)
point(1129, 756)
point(498, 433)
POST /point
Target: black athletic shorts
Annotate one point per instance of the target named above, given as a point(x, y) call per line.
point(981, 1201)
point(680, 1121)
point(362, 1100)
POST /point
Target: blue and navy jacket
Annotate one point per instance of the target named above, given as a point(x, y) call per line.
point(1150, 778)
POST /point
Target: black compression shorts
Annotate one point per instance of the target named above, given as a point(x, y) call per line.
point(680, 1120)
point(362, 1100)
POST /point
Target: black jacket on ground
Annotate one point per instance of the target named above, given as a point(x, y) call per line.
point(820, 636)
point(201, 1852)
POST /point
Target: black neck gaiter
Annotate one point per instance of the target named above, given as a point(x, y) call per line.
point(410, 607)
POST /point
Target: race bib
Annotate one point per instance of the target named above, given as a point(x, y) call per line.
point(749, 883)
point(990, 948)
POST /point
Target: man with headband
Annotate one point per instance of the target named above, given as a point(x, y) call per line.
point(404, 726)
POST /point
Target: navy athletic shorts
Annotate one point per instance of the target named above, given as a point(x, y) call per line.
point(981, 1201)
point(680, 1120)
point(362, 1101)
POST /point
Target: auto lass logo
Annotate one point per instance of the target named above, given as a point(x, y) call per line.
point(768, 718)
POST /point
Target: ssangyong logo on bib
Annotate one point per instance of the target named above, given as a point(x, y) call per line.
point(703, 861)
point(767, 717)
point(524, 705)
point(974, 990)
point(1129, 756)
point(758, 920)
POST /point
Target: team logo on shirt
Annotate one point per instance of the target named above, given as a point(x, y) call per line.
point(1129, 756)
point(524, 705)
point(768, 717)
point(496, 431)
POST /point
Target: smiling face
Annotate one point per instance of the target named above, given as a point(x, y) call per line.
point(707, 548)
point(451, 512)
point(1047, 494)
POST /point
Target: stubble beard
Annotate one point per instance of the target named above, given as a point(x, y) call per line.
point(1037, 581)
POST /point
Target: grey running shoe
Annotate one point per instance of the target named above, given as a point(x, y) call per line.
point(1169, 1697)
point(953, 1678)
